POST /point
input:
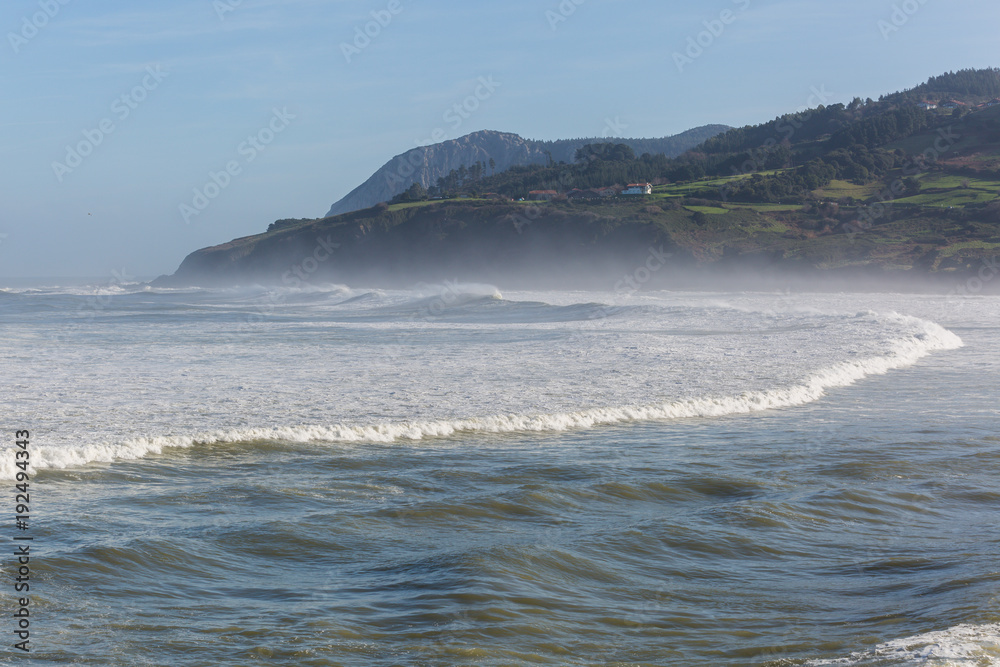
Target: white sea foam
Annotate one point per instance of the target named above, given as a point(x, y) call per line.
point(924, 338)
point(960, 646)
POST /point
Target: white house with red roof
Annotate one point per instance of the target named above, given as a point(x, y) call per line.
point(638, 189)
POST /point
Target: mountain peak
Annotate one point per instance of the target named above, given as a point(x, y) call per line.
point(426, 164)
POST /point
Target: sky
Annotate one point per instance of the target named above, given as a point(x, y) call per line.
point(134, 133)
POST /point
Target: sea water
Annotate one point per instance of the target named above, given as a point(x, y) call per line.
point(461, 475)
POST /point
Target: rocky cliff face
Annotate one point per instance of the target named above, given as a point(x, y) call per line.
point(425, 165)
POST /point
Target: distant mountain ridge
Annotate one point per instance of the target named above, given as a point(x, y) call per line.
point(426, 164)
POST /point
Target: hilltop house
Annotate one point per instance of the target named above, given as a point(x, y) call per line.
point(638, 189)
point(927, 106)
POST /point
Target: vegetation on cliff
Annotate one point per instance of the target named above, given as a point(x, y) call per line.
point(889, 185)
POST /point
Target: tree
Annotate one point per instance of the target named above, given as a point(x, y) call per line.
point(779, 157)
point(415, 192)
point(605, 152)
point(493, 166)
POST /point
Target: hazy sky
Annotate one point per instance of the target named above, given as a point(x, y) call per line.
point(115, 112)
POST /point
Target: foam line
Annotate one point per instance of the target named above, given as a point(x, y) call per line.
point(971, 645)
point(928, 338)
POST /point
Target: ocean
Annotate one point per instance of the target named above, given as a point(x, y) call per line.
point(462, 475)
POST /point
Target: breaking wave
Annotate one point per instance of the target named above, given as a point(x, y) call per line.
point(902, 352)
point(971, 645)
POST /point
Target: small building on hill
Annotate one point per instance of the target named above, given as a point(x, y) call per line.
point(927, 106)
point(638, 189)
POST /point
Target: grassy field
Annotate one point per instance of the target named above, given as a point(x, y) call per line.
point(946, 199)
point(414, 204)
point(694, 188)
point(708, 210)
point(956, 181)
point(766, 208)
point(838, 189)
point(955, 248)
point(944, 190)
point(973, 133)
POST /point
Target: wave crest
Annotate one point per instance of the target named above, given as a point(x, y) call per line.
point(928, 338)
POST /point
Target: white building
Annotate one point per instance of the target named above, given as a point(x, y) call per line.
point(638, 189)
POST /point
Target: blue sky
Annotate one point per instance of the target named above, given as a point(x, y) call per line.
point(259, 103)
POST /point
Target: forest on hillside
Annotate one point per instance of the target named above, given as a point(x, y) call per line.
point(787, 157)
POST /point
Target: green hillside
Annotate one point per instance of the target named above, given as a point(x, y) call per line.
point(886, 186)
